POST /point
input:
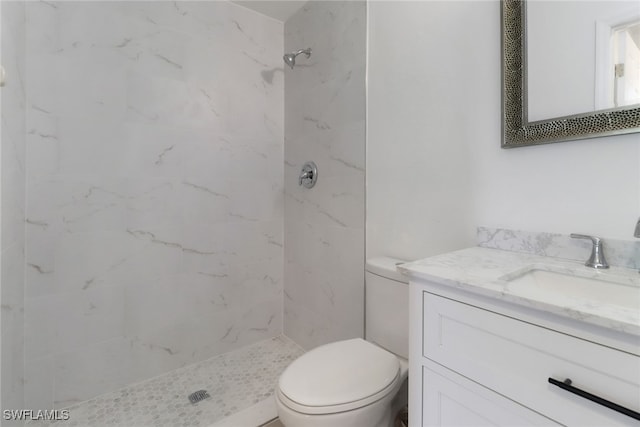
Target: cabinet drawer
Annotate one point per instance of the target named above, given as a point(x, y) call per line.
point(515, 359)
point(451, 400)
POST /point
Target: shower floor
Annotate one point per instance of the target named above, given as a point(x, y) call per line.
point(236, 381)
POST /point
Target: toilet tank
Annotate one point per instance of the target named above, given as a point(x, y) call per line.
point(387, 306)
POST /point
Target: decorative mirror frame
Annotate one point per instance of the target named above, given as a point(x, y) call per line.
point(516, 130)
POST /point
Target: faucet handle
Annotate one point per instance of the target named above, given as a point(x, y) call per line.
point(596, 240)
point(597, 259)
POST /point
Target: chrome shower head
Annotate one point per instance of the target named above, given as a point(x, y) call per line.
point(290, 58)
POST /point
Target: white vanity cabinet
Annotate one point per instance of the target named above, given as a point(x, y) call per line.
point(476, 360)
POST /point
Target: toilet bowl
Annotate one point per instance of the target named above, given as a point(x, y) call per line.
point(354, 383)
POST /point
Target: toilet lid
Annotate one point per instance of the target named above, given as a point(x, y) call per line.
point(339, 373)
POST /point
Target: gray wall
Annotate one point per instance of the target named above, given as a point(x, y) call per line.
point(325, 123)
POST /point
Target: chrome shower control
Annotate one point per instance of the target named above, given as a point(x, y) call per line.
point(308, 175)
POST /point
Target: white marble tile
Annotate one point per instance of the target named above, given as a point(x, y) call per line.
point(342, 200)
point(336, 103)
point(147, 316)
point(345, 151)
point(77, 203)
point(154, 210)
point(338, 50)
point(91, 371)
point(309, 329)
point(42, 15)
point(621, 253)
point(153, 203)
point(86, 259)
point(246, 240)
point(155, 151)
point(209, 202)
point(13, 184)
point(489, 272)
point(324, 226)
point(79, 28)
point(197, 334)
point(39, 333)
point(325, 281)
point(38, 387)
point(13, 372)
point(72, 320)
point(232, 286)
point(12, 327)
point(162, 100)
point(87, 89)
point(12, 202)
point(90, 146)
point(42, 144)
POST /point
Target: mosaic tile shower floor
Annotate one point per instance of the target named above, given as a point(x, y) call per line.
point(234, 381)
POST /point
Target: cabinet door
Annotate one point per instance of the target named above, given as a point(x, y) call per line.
point(516, 359)
point(452, 400)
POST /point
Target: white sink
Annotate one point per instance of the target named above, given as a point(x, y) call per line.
point(597, 288)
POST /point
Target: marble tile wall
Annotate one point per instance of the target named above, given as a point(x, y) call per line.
point(621, 253)
point(154, 225)
point(12, 202)
point(325, 123)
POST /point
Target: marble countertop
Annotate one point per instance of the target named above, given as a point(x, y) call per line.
point(489, 272)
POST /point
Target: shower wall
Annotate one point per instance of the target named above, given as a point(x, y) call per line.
point(154, 218)
point(325, 123)
point(12, 202)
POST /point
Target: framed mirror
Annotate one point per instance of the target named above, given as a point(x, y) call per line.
point(534, 87)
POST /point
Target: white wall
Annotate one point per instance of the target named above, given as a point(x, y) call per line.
point(590, 186)
point(435, 169)
point(155, 181)
point(425, 68)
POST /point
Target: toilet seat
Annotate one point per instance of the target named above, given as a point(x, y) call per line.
point(338, 377)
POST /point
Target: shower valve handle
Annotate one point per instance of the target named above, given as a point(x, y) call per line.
point(308, 175)
point(305, 175)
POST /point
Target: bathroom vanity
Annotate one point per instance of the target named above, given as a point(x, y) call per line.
point(505, 338)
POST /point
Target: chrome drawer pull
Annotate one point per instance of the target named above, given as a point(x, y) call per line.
point(566, 385)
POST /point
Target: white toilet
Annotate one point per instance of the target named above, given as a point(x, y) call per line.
point(355, 383)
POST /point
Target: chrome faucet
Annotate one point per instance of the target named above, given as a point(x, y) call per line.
point(597, 259)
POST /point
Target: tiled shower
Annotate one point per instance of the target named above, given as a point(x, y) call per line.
point(151, 213)
point(153, 233)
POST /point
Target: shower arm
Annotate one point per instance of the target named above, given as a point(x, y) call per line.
point(290, 58)
point(305, 51)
